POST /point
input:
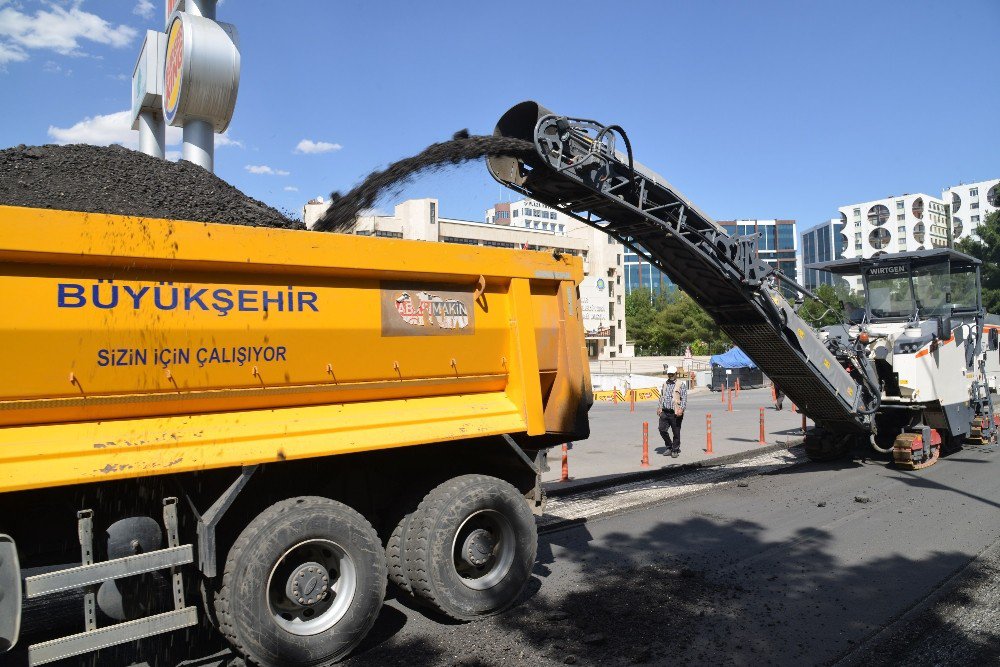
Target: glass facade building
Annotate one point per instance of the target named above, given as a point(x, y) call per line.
point(821, 243)
point(640, 273)
point(778, 244)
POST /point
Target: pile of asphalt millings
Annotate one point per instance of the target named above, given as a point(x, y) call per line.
point(119, 181)
point(461, 148)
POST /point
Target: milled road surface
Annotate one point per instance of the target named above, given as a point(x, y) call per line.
point(852, 563)
point(789, 570)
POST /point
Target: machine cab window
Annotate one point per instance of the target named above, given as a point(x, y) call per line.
point(915, 286)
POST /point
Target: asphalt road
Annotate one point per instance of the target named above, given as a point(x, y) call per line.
point(615, 443)
point(816, 564)
point(792, 569)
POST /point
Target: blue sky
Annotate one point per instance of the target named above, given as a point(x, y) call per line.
point(752, 109)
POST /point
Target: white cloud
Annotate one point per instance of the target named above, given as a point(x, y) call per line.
point(56, 28)
point(291, 188)
point(116, 128)
point(226, 140)
point(112, 128)
point(263, 169)
point(144, 8)
point(11, 54)
point(309, 146)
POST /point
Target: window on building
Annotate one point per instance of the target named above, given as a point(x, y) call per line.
point(562, 228)
point(515, 212)
point(857, 213)
point(611, 241)
point(499, 244)
point(389, 235)
point(974, 204)
point(455, 239)
point(901, 229)
point(899, 205)
point(619, 256)
point(974, 218)
point(786, 237)
point(973, 192)
point(878, 214)
point(434, 213)
point(993, 196)
point(901, 216)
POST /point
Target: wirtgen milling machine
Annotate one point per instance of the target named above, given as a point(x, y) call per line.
point(909, 376)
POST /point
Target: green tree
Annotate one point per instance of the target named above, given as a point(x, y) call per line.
point(666, 323)
point(640, 313)
point(984, 244)
point(826, 310)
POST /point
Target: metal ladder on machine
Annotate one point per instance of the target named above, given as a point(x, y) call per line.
point(579, 172)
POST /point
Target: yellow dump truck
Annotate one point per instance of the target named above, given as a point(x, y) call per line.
point(257, 427)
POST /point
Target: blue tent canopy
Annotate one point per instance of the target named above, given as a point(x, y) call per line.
point(733, 358)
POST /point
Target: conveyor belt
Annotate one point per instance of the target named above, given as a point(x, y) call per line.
point(580, 173)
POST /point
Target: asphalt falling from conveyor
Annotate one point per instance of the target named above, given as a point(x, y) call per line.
point(461, 148)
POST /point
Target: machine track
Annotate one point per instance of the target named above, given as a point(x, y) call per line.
point(909, 453)
point(977, 434)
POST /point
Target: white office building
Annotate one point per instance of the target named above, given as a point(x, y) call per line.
point(602, 294)
point(893, 224)
point(970, 204)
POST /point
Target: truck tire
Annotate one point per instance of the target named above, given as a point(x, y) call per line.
point(470, 547)
point(394, 546)
point(275, 604)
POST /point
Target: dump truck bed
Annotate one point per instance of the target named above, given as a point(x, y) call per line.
point(138, 346)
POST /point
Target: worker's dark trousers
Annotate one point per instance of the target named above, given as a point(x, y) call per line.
point(669, 422)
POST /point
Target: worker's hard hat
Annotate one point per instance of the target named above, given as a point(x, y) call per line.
point(671, 370)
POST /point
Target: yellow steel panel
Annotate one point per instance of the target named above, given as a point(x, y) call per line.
point(28, 234)
point(366, 343)
point(525, 388)
point(61, 454)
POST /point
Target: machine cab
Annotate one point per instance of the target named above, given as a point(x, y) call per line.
point(911, 287)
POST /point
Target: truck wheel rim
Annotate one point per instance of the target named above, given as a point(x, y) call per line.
point(483, 549)
point(311, 587)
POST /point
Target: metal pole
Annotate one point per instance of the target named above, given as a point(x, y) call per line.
point(152, 134)
point(199, 143)
point(204, 8)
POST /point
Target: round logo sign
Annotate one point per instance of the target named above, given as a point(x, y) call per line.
point(172, 69)
point(600, 283)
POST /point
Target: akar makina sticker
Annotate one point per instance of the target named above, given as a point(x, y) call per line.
point(427, 310)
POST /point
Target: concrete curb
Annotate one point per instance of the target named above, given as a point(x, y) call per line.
point(553, 490)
